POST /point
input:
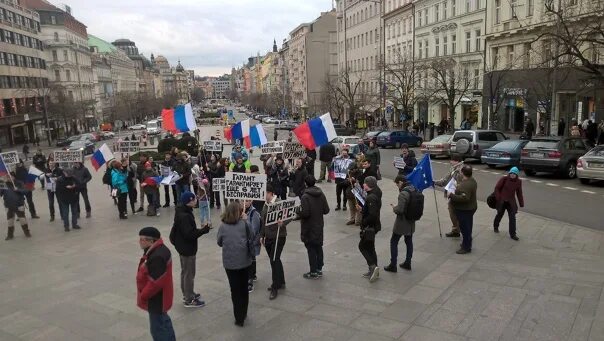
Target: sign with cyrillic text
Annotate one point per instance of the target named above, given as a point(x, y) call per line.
point(212, 146)
point(10, 158)
point(69, 156)
point(218, 184)
point(245, 186)
point(293, 150)
point(273, 147)
point(399, 162)
point(282, 211)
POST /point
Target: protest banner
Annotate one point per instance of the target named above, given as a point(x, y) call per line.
point(170, 179)
point(282, 211)
point(127, 147)
point(245, 186)
point(10, 158)
point(218, 185)
point(293, 150)
point(164, 170)
point(399, 162)
point(274, 147)
point(359, 194)
point(68, 156)
point(212, 146)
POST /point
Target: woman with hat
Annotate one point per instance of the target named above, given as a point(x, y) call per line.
point(507, 189)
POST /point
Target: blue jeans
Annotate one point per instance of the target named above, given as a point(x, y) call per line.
point(204, 212)
point(394, 248)
point(180, 189)
point(64, 208)
point(466, 222)
point(161, 327)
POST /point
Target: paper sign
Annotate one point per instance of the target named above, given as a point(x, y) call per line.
point(50, 184)
point(274, 147)
point(170, 179)
point(359, 194)
point(218, 184)
point(127, 146)
point(212, 146)
point(451, 186)
point(69, 156)
point(10, 158)
point(399, 162)
point(282, 211)
point(164, 170)
point(245, 186)
point(3, 185)
point(293, 150)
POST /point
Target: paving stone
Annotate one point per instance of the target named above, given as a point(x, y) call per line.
point(444, 320)
point(425, 334)
point(439, 280)
point(332, 314)
point(422, 294)
point(404, 310)
point(380, 325)
point(487, 328)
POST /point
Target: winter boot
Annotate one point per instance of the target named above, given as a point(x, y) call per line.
point(26, 231)
point(11, 233)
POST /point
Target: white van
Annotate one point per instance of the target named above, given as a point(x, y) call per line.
point(153, 127)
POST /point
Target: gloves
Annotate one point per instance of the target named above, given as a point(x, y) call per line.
point(205, 229)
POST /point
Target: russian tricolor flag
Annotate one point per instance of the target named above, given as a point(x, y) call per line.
point(3, 169)
point(32, 175)
point(179, 119)
point(101, 157)
point(316, 132)
point(257, 136)
point(252, 136)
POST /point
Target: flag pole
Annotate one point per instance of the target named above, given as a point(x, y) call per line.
point(440, 231)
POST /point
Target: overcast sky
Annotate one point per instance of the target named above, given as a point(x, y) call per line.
point(208, 36)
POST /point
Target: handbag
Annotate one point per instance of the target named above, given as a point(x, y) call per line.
point(251, 250)
point(378, 174)
point(492, 198)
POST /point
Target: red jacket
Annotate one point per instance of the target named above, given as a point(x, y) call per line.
point(154, 279)
point(508, 189)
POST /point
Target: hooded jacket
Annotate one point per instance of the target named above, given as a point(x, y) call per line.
point(298, 184)
point(402, 226)
point(118, 180)
point(371, 210)
point(154, 288)
point(506, 190)
point(314, 206)
point(82, 176)
point(184, 232)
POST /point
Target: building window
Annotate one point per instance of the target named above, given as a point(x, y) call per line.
point(468, 41)
point(56, 36)
point(453, 8)
point(68, 75)
point(468, 6)
point(57, 75)
point(421, 52)
point(2, 58)
point(527, 55)
point(17, 39)
point(436, 47)
point(513, 9)
point(419, 18)
point(530, 9)
point(445, 38)
point(510, 55)
point(497, 11)
point(495, 57)
point(476, 78)
point(53, 20)
point(478, 44)
point(65, 55)
point(11, 59)
point(426, 48)
point(437, 12)
point(445, 10)
point(426, 16)
point(453, 44)
point(70, 94)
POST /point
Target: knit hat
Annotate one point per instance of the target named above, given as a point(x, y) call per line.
point(186, 197)
point(514, 170)
point(371, 181)
point(150, 232)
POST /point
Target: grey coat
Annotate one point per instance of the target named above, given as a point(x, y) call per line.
point(233, 240)
point(402, 226)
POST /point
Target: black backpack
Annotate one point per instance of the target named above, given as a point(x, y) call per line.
point(107, 177)
point(415, 206)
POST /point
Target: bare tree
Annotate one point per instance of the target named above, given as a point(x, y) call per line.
point(198, 95)
point(350, 92)
point(401, 81)
point(332, 97)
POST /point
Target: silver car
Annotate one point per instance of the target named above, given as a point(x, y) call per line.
point(477, 140)
point(591, 165)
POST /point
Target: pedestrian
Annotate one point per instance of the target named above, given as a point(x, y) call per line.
point(132, 170)
point(313, 207)
point(370, 226)
point(37, 140)
point(298, 176)
point(373, 155)
point(120, 188)
point(561, 127)
point(465, 205)
point(14, 201)
point(82, 176)
point(601, 132)
point(140, 168)
point(39, 161)
point(273, 237)
point(184, 236)
point(253, 220)
point(21, 174)
point(507, 189)
point(341, 165)
point(326, 154)
point(154, 287)
point(278, 175)
point(68, 196)
point(51, 173)
point(591, 133)
point(26, 151)
point(454, 173)
point(404, 225)
point(182, 166)
point(166, 167)
point(275, 134)
point(529, 128)
point(150, 187)
point(409, 159)
point(311, 156)
point(234, 237)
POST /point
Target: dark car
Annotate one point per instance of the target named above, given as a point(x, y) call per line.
point(66, 142)
point(553, 154)
point(371, 136)
point(85, 146)
point(342, 130)
point(396, 138)
point(506, 153)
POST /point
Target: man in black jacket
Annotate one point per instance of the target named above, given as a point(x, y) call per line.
point(82, 176)
point(39, 160)
point(14, 202)
point(314, 207)
point(67, 196)
point(409, 158)
point(326, 154)
point(311, 156)
point(21, 174)
point(183, 236)
point(370, 226)
point(298, 177)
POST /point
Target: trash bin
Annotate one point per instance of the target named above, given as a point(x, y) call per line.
point(431, 131)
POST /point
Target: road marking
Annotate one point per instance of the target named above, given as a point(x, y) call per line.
point(588, 192)
point(495, 173)
point(537, 181)
point(553, 185)
point(484, 171)
point(571, 188)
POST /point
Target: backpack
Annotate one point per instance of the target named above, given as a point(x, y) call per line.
point(107, 177)
point(415, 206)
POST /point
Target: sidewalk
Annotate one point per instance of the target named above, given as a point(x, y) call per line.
point(80, 285)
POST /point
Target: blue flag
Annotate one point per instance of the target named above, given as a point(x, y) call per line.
point(421, 177)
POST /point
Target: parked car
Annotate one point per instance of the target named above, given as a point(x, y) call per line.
point(505, 153)
point(591, 165)
point(86, 146)
point(478, 140)
point(553, 154)
point(371, 136)
point(107, 135)
point(438, 146)
point(287, 125)
point(137, 127)
point(396, 138)
point(94, 137)
point(342, 130)
point(342, 142)
point(66, 142)
point(153, 127)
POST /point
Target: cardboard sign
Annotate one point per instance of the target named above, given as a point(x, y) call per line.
point(282, 211)
point(399, 162)
point(69, 156)
point(359, 194)
point(164, 170)
point(218, 184)
point(212, 146)
point(170, 179)
point(274, 147)
point(293, 150)
point(245, 186)
point(10, 158)
point(127, 146)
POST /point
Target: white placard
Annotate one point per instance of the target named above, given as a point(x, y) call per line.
point(293, 150)
point(170, 179)
point(218, 184)
point(127, 146)
point(399, 162)
point(10, 158)
point(164, 170)
point(212, 146)
point(359, 194)
point(274, 147)
point(451, 186)
point(282, 211)
point(68, 156)
point(245, 186)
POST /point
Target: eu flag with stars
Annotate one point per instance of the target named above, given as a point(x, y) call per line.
point(421, 177)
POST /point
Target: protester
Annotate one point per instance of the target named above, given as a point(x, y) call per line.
point(253, 220)
point(238, 166)
point(237, 149)
point(409, 158)
point(39, 161)
point(507, 189)
point(356, 181)
point(326, 154)
point(14, 201)
point(140, 168)
point(313, 207)
point(188, 143)
point(309, 162)
point(182, 166)
point(131, 168)
point(273, 237)
point(168, 163)
point(150, 187)
point(278, 175)
point(403, 226)
point(298, 176)
point(373, 155)
point(234, 237)
point(21, 173)
point(370, 226)
point(154, 286)
point(217, 171)
point(184, 235)
point(341, 165)
point(82, 176)
point(120, 188)
point(51, 174)
point(465, 205)
point(258, 204)
point(454, 173)
point(68, 196)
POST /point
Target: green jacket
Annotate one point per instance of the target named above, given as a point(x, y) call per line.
point(465, 196)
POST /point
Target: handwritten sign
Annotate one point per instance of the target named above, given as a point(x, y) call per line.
point(274, 147)
point(282, 211)
point(359, 194)
point(69, 156)
point(399, 162)
point(10, 158)
point(245, 186)
point(212, 146)
point(293, 150)
point(127, 146)
point(218, 185)
point(164, 170)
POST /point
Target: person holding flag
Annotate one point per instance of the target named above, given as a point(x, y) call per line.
point(465, 205)
point(22, 175)
point(14, 201)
